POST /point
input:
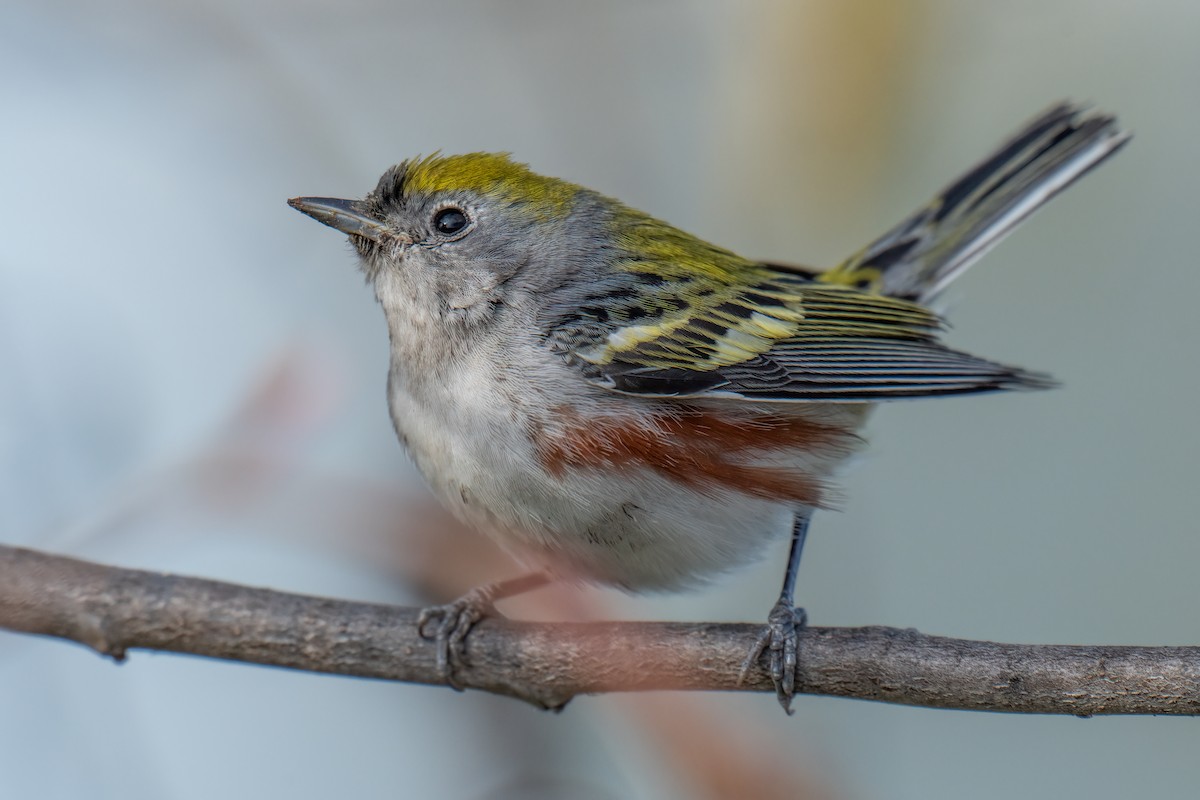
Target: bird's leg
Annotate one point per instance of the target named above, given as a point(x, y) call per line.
point(449, 625)
point(780, 638)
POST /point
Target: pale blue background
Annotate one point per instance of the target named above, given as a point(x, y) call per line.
point(151, 276)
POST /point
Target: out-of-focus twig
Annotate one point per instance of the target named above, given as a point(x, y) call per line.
point(113, 610)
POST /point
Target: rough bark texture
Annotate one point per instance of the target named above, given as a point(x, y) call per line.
point(113, 610)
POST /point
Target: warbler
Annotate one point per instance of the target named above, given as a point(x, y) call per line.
point(621, 402)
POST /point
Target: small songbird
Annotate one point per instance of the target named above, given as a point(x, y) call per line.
point(618, 401)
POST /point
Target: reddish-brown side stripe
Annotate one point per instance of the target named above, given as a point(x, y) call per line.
point(700, 448)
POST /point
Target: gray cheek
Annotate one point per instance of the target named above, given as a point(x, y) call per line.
point(469, 290)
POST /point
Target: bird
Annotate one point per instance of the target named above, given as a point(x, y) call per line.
point(619, 402)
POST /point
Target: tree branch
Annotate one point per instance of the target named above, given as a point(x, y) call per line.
point(113, 610)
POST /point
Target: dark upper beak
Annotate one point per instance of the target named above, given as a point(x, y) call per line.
point(346, 216)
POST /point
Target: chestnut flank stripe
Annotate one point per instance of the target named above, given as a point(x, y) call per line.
point(700, 448)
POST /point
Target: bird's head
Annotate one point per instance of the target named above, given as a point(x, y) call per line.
point(457, 237)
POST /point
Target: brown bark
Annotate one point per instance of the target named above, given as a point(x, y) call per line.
point(114, 610)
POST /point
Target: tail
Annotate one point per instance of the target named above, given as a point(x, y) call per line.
point(920, 256)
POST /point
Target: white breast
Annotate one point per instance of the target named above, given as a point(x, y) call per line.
point(466, 414)
point(468, 432)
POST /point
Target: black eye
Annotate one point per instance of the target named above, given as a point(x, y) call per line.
point(450, 220)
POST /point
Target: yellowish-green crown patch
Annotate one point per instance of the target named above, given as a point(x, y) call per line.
point(493, 175)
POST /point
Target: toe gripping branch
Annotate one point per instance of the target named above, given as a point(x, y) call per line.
point(779, 640)
point(448, 625)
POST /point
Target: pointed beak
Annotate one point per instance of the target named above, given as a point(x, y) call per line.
point(346, 216)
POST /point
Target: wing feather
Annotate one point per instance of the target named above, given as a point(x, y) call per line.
point(783, 337)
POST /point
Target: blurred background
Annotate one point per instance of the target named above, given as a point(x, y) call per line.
point(193, 375)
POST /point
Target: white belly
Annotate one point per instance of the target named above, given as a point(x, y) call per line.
point(634, 528)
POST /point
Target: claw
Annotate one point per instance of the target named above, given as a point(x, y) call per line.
point(454, 622)
point(780, 641)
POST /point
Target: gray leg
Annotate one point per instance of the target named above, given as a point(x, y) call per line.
point(453, 621)
point(780, 637)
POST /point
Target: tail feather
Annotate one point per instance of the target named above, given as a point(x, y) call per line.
point(920, 256)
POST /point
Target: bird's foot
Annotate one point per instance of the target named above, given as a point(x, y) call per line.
point(780, 642)
point(449, 625)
